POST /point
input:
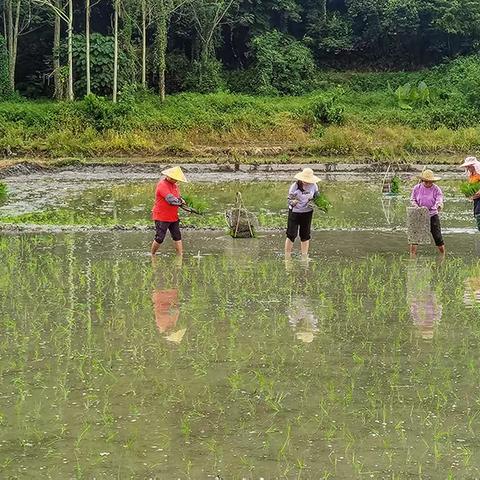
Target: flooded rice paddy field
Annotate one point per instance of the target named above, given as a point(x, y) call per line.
point(109, 199)
point(236, 364)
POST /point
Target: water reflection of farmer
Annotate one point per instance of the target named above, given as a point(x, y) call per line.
point(166, 307)
point(166, 302)
point(302, 319)
point(425, 309)
point(471, 295)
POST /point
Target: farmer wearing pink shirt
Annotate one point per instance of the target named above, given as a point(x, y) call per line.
point(428, 194)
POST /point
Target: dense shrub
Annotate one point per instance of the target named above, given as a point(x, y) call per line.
point(101, 114)
point(101, 65)
point(326, 109)
point(282, 65)
point(206, 76)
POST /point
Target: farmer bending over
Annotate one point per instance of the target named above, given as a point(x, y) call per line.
point(300, 211)
point(165, 209)
point(427, 194)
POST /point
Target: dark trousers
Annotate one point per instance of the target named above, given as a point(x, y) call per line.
point(161, 230)
point(299, 222)
point(436, 230)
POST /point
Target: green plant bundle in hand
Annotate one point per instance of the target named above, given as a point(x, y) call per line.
point(195, 203)
point(322, 202)
point(470, 189)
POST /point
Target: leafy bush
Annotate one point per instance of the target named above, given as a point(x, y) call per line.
point(101, 64)
point(408, 95)
point(206, 76)
point(282, 64)
point(178, 68)
point(101, 114)
point(5, 88)
point(326, 109)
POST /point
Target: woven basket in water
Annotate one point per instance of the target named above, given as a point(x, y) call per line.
point(241, 222)
point(418, 226)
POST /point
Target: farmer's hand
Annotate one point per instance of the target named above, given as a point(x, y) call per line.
point(183, 201)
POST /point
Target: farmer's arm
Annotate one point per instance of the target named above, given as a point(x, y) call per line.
point(438, 199)
point(173, 200)
point(293, 195)
point(413, 197)
point(476, 196)
point(163, 192)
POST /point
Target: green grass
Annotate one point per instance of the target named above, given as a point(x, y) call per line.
point(370, 124)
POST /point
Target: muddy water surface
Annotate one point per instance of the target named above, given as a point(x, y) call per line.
point(235, 363)
point(106, 198)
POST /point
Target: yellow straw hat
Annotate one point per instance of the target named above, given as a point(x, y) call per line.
point(429, 176)
point(307, 176)
point(175, 173)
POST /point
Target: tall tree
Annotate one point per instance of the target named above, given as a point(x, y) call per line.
point(16, 19)
point(65, 12)
point(162, 14)
point(116, 13)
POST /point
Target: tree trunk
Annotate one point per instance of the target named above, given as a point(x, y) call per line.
point(13, 22)
point(58, 93)
point(324, 11)
point(161, 38)
point(115, 54)
point(144, 44)
point(87, 45)
point(70, 50)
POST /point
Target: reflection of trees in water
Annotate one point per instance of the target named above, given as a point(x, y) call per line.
point(425, 308)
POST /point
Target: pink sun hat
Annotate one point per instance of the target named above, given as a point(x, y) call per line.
point(469, 161)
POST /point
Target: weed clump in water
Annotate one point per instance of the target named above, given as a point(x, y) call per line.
point(3, 191)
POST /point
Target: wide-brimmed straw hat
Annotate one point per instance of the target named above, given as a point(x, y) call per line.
point(469, 161)
point(175, 173)
point(307, 176)
point(428, 176)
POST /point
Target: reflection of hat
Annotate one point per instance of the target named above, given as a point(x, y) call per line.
point(429, 176)
point(175, 173)
point(305, 337)
point(307, 176)
point(469, 161)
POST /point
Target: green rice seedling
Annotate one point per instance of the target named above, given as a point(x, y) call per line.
point(196, 203)
point(322, 203)
point(469, 189)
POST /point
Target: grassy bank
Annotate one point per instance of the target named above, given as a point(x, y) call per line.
point(358, 115)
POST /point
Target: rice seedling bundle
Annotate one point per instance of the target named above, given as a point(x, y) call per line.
point(469, 189)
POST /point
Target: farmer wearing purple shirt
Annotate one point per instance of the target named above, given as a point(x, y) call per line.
point(300, 211)
point(427, 194)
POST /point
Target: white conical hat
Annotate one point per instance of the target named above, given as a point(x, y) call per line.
point(307, 176)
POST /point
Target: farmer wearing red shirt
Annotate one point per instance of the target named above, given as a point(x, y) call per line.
point(165, 210)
